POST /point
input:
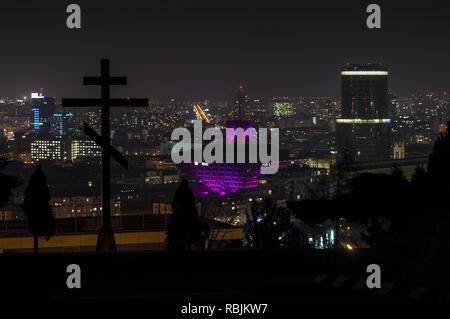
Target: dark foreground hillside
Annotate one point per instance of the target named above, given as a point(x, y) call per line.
point(242, 274)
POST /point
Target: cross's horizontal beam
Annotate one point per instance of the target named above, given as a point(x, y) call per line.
point(107, 102)
point(100, 141)
point(98, 80)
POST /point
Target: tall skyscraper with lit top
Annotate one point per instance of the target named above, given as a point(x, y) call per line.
point(363, 129)
point(241, 104)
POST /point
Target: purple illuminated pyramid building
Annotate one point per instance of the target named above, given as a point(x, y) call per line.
point(224, 179)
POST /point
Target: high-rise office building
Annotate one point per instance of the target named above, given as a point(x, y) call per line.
point(43, 110)
point(241, 104)
point(61, 123)
point(363, 129)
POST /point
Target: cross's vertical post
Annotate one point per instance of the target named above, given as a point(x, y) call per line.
point(105, 240)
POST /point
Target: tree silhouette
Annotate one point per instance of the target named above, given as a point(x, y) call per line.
point(7, 182)
point(185, 229)
point(372, 200)
point(344, 171)
point(439, 170)
point(419, 176)
point(397, 173)
point(252, 228)
point(270, 227)
point(421, 191)
point(37, 209)
point(382, 202)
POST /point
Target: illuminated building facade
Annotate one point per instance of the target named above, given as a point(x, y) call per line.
point(78, 206)
point(222, 179)
point(61, 123)
point(282, 108)
point(84, 148)
point(399, 151)
point(363, 130)
point(46, 150)
point(42, 111)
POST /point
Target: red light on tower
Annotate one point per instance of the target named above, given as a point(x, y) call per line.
point(241, 88)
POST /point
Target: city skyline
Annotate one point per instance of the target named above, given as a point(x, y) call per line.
point(204, 50)
point(257, 151)
point(27, 95)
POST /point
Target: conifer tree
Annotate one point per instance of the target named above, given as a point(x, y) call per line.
point(37, 208)
point(185, 228)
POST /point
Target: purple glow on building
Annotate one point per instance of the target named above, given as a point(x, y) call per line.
point(222, 179)
point(231, 137)
point(225, 179)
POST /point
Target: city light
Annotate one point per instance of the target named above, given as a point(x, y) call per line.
point(46, 150)
point(283, 109)
point(37, 95)
point(201, 115)
point(363, 121)
point(84, 148)
point(365, 73)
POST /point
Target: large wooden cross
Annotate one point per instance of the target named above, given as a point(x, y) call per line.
point(105, 240)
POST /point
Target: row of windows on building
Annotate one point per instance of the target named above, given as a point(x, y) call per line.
point(60, 150)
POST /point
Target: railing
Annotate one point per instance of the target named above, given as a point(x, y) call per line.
point(92, 224)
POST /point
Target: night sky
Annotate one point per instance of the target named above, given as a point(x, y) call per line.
point(204, 48)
